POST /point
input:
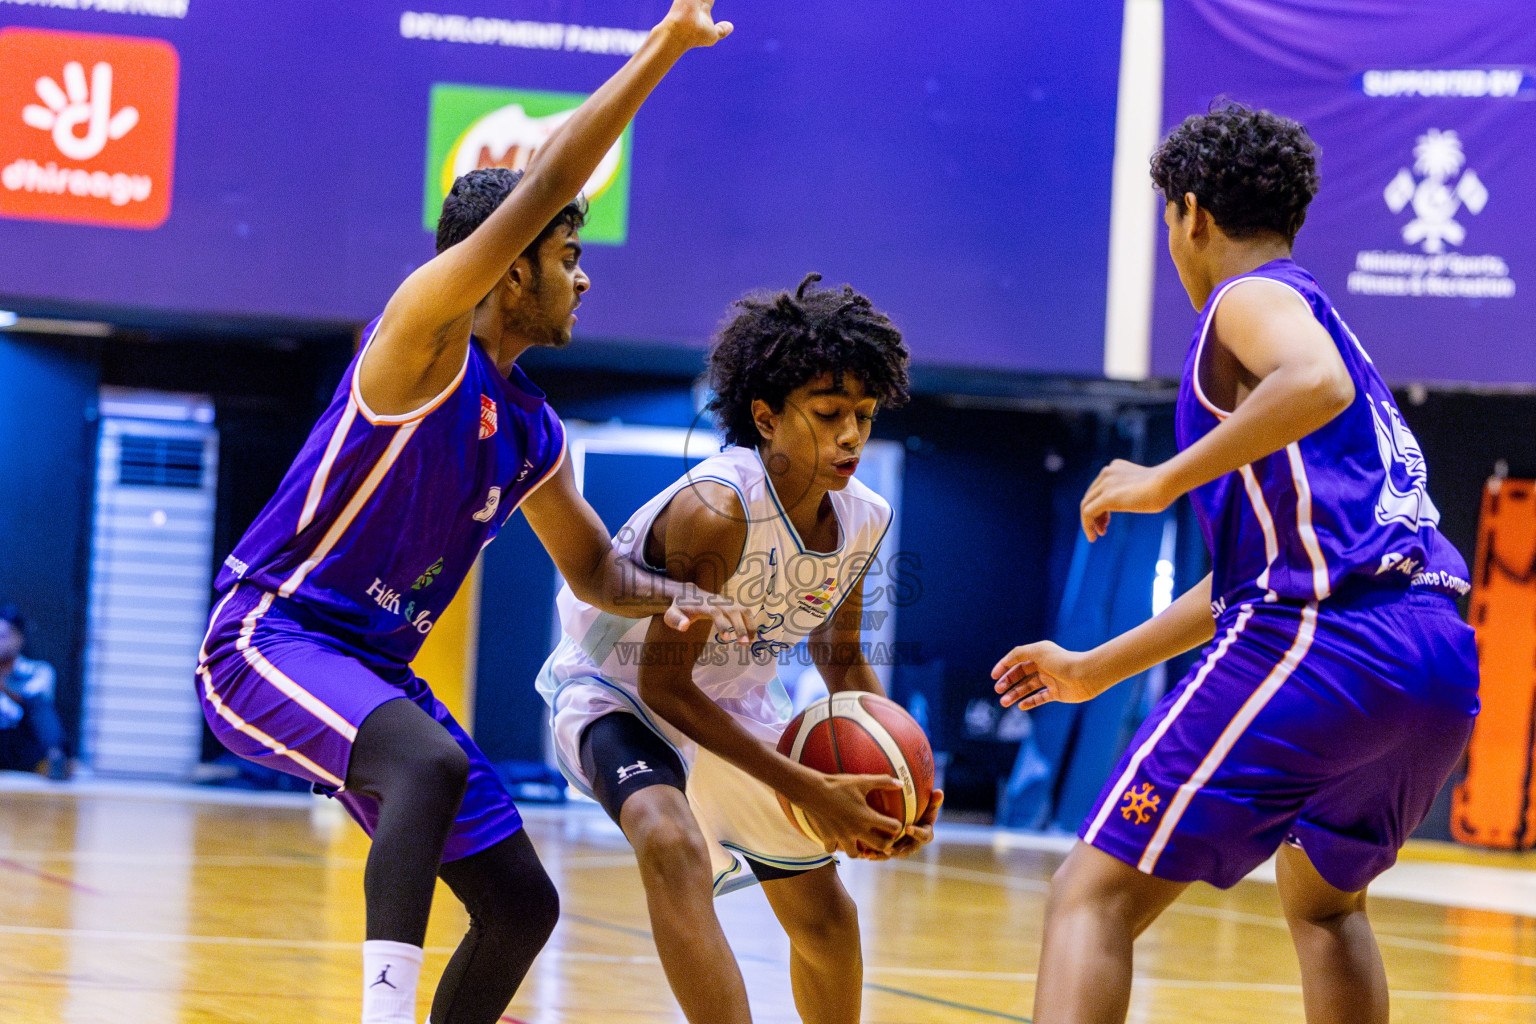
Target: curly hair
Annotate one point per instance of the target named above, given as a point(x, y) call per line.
point(771, 343)
point(1253, 170)
point(475, 196)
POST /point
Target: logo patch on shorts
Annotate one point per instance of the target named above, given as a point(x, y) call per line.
point(629, 771)
point(1140, 804)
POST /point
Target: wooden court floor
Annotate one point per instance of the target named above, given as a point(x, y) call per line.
point(154, 906)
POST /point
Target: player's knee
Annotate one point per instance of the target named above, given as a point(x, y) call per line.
point(538, 909)
point(443, 767)
point(828, 930)
point(1075, 889)
point(529, 907)
point(668, 848)
point(1068, 888)
point(1329, 911)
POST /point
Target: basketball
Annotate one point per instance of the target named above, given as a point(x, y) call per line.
point(862, 733)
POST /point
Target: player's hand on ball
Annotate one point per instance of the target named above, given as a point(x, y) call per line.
point(841, 815)
point(1123, 487)
point(1036, 673)
point(691, 23)
point(917, 835)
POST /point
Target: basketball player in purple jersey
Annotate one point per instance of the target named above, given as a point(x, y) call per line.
point(1342, 685)
point(433, 439)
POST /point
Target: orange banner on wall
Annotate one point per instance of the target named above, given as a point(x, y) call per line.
point(1496, 805)
point(87, 127)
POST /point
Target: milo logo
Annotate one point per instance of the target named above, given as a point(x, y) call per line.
point(475, 126)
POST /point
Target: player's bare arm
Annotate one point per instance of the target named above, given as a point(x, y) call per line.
point(421, 340)
point(700, 536)
point(577, 540)
point(1273, 366)
point(1034, 674)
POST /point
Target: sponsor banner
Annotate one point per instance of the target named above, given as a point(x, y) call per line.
point(1423, 232)
point(474, 126)
point(312, 140)
point(87, 128)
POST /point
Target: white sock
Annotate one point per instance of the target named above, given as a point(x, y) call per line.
point(390, 973)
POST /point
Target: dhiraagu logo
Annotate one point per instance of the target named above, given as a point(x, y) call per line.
point(475, 126)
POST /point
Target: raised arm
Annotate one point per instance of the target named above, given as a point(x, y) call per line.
point(577, 540)
point(422, 338)
point(703, 532)
point(1295, 382)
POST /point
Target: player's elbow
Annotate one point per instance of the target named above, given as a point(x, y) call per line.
point(1328, 390)
point(1337, 392)
point(589, 589)
point(604, 585)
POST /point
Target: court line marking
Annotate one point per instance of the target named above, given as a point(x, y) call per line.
point(1216, 913)
point(591, 823)
point(560, 953)
point(1214, 985)
point(1427, 871)
point(936, 1001)
point(272, 860)
point(593, 922)
point(26, 869)
point(919, 868)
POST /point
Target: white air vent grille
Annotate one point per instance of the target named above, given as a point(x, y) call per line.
point(151, 555)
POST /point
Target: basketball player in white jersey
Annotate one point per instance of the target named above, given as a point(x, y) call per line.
point(673, 733)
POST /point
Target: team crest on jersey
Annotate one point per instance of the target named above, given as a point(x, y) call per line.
point(766, 646)
point(487, 417)
point(1140, 804)
point(821, 597)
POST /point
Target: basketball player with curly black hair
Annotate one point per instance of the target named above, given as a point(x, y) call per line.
point(1341, 691)
point(673, 733)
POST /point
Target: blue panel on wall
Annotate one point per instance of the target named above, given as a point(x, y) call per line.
point(47, 446)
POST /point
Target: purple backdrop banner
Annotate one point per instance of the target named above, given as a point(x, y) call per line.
point(1424, 233)
point(211, 158)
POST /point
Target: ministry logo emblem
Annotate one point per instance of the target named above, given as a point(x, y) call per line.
point(1438, 189)
point(1440, 192)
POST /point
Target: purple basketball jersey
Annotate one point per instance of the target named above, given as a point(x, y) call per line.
point(380, 518)
point(1347, 500)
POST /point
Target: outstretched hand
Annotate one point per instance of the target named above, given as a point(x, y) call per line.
point(732, 621)
point(692, 24)
point(1036, 673)
point(1122, 486)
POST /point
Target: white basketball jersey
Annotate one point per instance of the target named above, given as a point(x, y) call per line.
point(792, 589)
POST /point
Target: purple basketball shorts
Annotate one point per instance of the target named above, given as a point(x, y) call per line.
point(1331, 726)
point(279, 692)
